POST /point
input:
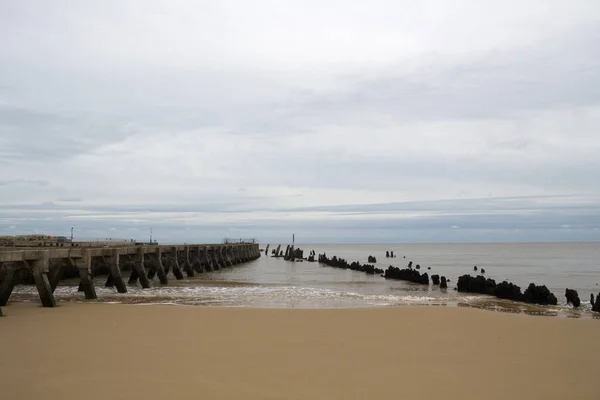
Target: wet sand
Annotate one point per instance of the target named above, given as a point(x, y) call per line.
point(106, 351)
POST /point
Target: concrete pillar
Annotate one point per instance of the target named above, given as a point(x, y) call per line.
point(40, 269)
point(187, 265)
point(217, 255)
point(213, 257)
point(195, 259)
point(158, 266)
point(9, 280)
point(149, 265)
point(175, 264)
point(134, 275)
point(246, 253)
point(84, 265)
point(55, 274)
point(225, 252)
point(236, 254)
point(208, 265)
point(115, 272)
point(139, 267)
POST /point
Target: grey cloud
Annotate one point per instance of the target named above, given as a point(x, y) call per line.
point(106, 126)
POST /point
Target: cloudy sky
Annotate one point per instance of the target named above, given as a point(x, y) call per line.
point(339, 121)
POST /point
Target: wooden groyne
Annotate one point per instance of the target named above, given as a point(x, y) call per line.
point(49, 266)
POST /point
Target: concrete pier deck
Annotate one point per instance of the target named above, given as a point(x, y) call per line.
point(49, 265)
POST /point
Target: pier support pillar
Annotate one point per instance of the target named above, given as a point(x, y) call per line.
point(213, 257)
point(115, 272)
point(138, 267)
point(175, 264)
point(9, 280)
point(217, 258)
point(208, 265)
point(235, 254)
point(187, 265)
point(195, 259)
point(41, 268)
point(84, 265)
point(225, 253)
point(158, 266)
point(54, 275)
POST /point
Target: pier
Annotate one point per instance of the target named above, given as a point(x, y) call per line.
point(48, 265)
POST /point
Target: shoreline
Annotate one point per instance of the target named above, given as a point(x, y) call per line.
point(159, 351)
point(476, 301)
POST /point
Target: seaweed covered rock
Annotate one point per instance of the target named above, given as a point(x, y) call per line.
point(435, 279)
point(509, 291)
point(478, 284)
point(596, 304)
point(572, 297)
point(372, 259)
point(539, 295)
point(443, 283)
point(406, 274)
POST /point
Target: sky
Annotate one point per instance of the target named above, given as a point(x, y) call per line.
point(362, 122)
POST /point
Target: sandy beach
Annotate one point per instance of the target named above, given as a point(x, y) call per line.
point(115, 351)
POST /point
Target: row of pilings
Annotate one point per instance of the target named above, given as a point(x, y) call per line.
point(413, 275)
point(46, 268)
point(291, 253)
point(343, 264)
point(534, 294)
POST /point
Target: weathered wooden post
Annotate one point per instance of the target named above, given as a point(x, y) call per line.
point(40, 268)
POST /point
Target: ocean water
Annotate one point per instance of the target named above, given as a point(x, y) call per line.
point(274, 282)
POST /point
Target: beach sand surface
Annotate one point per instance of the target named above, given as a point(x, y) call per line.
point(116, 351)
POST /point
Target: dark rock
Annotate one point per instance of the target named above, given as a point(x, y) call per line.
point(482, 271)
point(406, 274)
point(572, 297)
point(596, 305)
point(378, 271)
point(443, 283)
point(428, 267)
point(387, 254)
point(410, 264)
point(435, 279)
point(478, 284)
point(392, 254)
point(539, 295)
point(372, 259)
point(509, 291)
point(418, 266)
point(475, 268)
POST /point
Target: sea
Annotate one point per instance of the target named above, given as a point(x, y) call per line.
point(271, 282)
